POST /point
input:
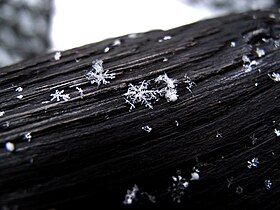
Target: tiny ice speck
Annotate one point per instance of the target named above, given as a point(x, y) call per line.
point(232, 44)
point(80, 90)
point(253, 163)
point(10, 147)
point(107, 49)
point(57, 55)
point(268, 184)
point(260, 52)
point(147, 128)
point(20, 97)
point(27, 136)
point(19, 89)
point(239, 190)
point(2, 113)
point(195, 176)
point(277, 132)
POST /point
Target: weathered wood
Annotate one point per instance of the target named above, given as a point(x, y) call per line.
point(88, 151)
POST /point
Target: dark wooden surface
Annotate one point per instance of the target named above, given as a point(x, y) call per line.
point(88, 152)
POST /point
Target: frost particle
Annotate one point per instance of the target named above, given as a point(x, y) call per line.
point(268, 184)
point(147, 128)
point(117, 42)
point(195, 176)
point(80, 90)
point(247, 63)
point(256, 84)
point(232, 44)
point(169, 91)
point(253, 163)
point(277, 132)
point(19, 89)
point(189, 82)
point(107, 49)
point(165, 59)
point(10, 147)
point(275, 77)
point(59, 95)
point(260, 52)
point(98, 74)
point(164, 38)
point(20, 97)
point(239, 190)
point(130, 195)
point(176, 123)
point(2, 113)
point(57, 55)
point(27, 136)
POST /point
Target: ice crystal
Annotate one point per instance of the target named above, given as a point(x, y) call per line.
point(20, 97)
point(59, 95)
point(190, 84)
point(164, 38)
point(140, 94)
point(232, 44)
point(277, 132)
point(19, 89)
point(98, 74)
point(169, 91)
point(239, 190)
point(275, 77)
point(147, 128)
point(178, 187)
point(116, 42)
point(248, 64)
point(131, 195)
point(57, 56)
point(260, 52)
point(10, 147)
point(268, 184)
point(27, 136)
point(2, 113)
point(80, 90)
point(195, 176)
point(253, 163)
point(107, 49)
point(176, 123)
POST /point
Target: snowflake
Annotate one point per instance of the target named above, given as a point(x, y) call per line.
point(57, 56)
point(140, 94)
point(189, 82)
point(2, 113)
point(169, 91)
point(254, 162)
point(147, 128)
point(27, 136)
point(232, 44)
point(98, 74)
point(80, 90)
point(275, 77)
point(277, 132)
point(260, 52)
point(268, 184)
point(131, 195)
point(248, 64)
point(58, 95)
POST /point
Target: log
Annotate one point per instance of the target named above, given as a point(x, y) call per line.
point(214, 144)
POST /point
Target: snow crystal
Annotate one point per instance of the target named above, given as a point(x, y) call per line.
point(277, 132)
point(253, 163)
point(20, 97)
point(268, 184)
point(195, 176)
point(2, 113)
point(169, 91)
point(232, 44)
point(247, 63)
point(260, 52)
point(27, 136)
point(59, 95)
point(19, 89)
point(140, 94)
point(239, 190)
point(57, 56)
point(107, 49)
point(189, 82)
point(80, 90)
point(116, 42)
point(10, 147)
point(98, 74)
point(147, 128)
point(130, 195)
point(275, 77)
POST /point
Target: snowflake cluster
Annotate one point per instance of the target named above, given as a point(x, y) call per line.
point(98, 74)
point(268, 184)
point(169, 91)
point(248, 64)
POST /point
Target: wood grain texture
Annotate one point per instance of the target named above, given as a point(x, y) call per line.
point(87, 152)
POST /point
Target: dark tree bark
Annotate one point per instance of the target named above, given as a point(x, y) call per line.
point(88, 151)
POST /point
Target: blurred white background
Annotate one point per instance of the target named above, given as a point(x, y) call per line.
point(76, 23)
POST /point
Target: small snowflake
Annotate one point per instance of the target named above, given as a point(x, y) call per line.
point(19, 89)
point(268, 184)
point(131, 195)
point(189, 82)
point(2, 113)
point(20, 97)
point(275, 77)
point(57, 56)
point(248, 64)
point(140, 94)
point(98, 74)
point(260, 52)
point(239, 190)
point(116, 42)
point(253, 163)
point(195, 176)
point(277, 132)
point(232, 44)
point(27, 136)
point(147, 128)
point(164, 38)
point(80, 90)
point(59, 95)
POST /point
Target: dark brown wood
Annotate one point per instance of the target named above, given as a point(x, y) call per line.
point(88, 151)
